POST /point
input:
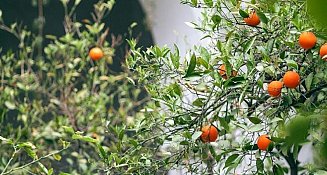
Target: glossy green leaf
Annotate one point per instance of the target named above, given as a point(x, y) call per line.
point(255, 120)
point(308, 81)
point(191, 66)
point(209, 2)
point(198, 102)
point(194, 2)
point(259, 164)
point(243, 13)
point(292, 64)
point(262, 17)
point(230, 160)
point(216, 19)
point(249, 44)
point(256, 128)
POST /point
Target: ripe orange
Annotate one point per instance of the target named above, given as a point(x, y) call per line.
point(209, 133)
point(307, 40)
point(253, 19)
point(275, 88)
point(96, 53)
point(223, 72)
point(291, 79)
point(263, 142)
point(323, 51)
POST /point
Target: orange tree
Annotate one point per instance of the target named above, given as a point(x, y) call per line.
point(260, 131)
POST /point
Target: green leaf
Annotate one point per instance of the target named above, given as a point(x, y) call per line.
point(77, 2)
point(243, 13)
point(203, 62)
point(223, 123)
point(102, 152)
point(68, 129)
point(259, 164)
point(216, 19)
point(249, 44)
point(270, 70)
point(184, 142)
point(298, 129)
point(234, 82)
point(121, 134)
point(84, 138)
point(276, 139)
point(26, 145)
point(208, 3)
point(30, 152)
point(191, 66)
point(262, 17)
point(10, 105)
point(230, 160)
point(43, 168)
point(174, 57)
point(57, 157)
point(278, 170)
point(195, 3)
point(256, 128)
point(249, 147)
point(61, 173)
point(198, 102)
point(287, 100)
point(291, 64)
point(50, 172)
point(255, 120)
point(308, 81)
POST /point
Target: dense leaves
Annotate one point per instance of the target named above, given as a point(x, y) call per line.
point(238, 103)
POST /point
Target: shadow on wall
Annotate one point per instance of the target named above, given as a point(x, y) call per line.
point(124, 13)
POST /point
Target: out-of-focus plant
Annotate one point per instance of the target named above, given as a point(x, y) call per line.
point(57, 105)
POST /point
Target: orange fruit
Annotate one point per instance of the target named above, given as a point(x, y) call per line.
point(223, 72)
point(291, 79)
point(209, 133)
point(323, 51)
point(253, 19)
point(263, 142)
point(275, 88)
point(96, 53)
point(307, 40)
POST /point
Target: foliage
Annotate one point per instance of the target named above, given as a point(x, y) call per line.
point(58, 105)
point(190, 92)
point(58, 108)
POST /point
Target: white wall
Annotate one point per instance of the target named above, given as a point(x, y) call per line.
point(167, 20)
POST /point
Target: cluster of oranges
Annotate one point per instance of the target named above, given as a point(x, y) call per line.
point(308, 40)
point(210, 134)
point(291, 79)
